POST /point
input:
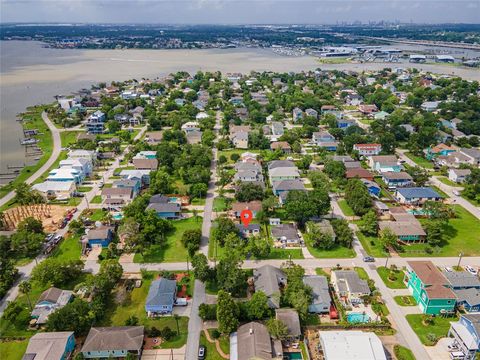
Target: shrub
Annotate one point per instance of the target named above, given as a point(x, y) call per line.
point(215, 334)
point(207, 312)
point(153, 332)
point(167, 334)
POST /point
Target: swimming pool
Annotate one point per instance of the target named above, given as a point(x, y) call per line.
point(358, 318)
point(117, 216)
point(292, 355)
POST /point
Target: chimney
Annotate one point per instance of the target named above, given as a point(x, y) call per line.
point(251, 331)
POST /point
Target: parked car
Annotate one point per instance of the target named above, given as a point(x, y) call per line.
point(448, 269)
point(202, 351)
point(471, 270)
point(368, 259)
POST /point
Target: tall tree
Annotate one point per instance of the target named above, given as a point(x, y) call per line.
point(227, 313)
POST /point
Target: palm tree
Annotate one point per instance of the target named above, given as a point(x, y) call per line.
point(177, 317)
point(25, 287)
point(195, 214)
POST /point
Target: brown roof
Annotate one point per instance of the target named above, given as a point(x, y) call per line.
point(280, 145)
point(255, 205)
point(145, 164)
point(403, 228)
point(359, 172)
point(290, 318)
point(154, 135)
point(428, 272)
point(401, 175)
point(117, 191)
point(51, 295)
point(439, 292)
point(397, 210)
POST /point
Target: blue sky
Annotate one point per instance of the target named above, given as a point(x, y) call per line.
point(238, 12)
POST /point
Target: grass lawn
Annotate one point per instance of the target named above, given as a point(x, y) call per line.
point(223, 340)
point(84, 188)
point(406, 300)
point(13, 350)
point(33, 120)
point(97, 199)
point(461, 236)
point(172, 250)
point(228, 153)
point(371, 245)
point(447, 181)
point(420, 161)
point(403, 353)
point(362, 274)
point(440, 192)
point(69, 249)
point(199, 202)
point(285, 254)
point(385, 275)
point(337, 252)
point(98, 215)
point(220, 204)
point(439, 328)
point(212, 353)
point(347, 210)
point(134, 304)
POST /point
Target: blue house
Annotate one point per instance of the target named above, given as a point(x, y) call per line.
point(373, 188)
point(100, 236)
point(133, 184)
point(321, 299)
point(345, 123)
point(466, 335)
point(169, 210)
point(161, 297)
point(397, 179)
point(50, 346)
point(113, 342)
point(468, 300)
point(416, 195)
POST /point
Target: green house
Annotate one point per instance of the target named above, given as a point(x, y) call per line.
point(429, 288)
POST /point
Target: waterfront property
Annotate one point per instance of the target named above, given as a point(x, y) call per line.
point(118, 341)
point(429, 288)
point(50, 346)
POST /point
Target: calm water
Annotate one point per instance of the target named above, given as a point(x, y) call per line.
point(31, 74)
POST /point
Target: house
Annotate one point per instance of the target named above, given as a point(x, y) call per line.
point(145, 164)
point(466, 335)
point(247, 231)
point(252, 341)
point(439, 150)
point(145, 155)
point(351, 344)
point(345, 123)
point(133, 184)
point(297, 114)
point(282, 146)
point(240, 140)
point(65, 175)
point(384, 163)
point(153, 137)
point(286, 234)
point(373, 188)
point(161, 297)
point(468, 300)
point(277, 129)
point(368, 149)
point(458, 175)
point(83, 154)
point(442, 136)
point(118, 196)
point(367, 109)
point(429, 287)
point(349, 287)
point(352, 165)
point(248, 175)
point(321, 299)
point(50, 301)
point(191, 126)
point(50, 346)
point(169, 210)
point(194, 137)
point(472, 154)
point(430, 105)
point(381, 115)
point(331, 109)
point(270, 280)
point(141, 175)
point(96, 123)
point(118, 341)
point(397, 179)
point(353, 99)
point(59, 190)
point(416, 195)
point(84, 166)
point(284, 186)
point(280, 164)
point(407, 232)
point(459, 280)
point(254, 206)
point(290, 318)
point(283, 173)
point(324, 139)
point(360, 173)
point(101, 236)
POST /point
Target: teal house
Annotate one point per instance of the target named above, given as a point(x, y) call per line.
point(51, 346)
point(430, 288)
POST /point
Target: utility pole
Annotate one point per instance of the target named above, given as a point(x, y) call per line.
point(459, 259)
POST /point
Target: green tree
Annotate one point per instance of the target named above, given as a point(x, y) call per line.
point(334, 169)
point(31, 225)
point(318, 238)
point(303, 205)
point(230, 276)
point(248, 192)
point(198, 190)
point(435, 232)
point(227, 313)
point(357, 196)
point(343, 232)
point(25, 287)
point(57, 272)
point(113, 126)
point(388, 239)
point(201, 269)
point(191, 240)
point(75, 316)
point(369, 224)
point(26, 244)
point(277, 329)
point(223, 227)
point(160, 182)
point(257, 306)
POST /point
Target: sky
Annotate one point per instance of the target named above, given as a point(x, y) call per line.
point(239, 11)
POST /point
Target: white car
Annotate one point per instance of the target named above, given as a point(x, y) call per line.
point(471, 270)
point(448, 269)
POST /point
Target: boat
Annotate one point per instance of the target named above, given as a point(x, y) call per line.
point(29, 141)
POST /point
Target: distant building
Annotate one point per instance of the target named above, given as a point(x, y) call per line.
point(368, 149)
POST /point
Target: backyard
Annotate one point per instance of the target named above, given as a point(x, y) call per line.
point(172, 250)
point(430, 333)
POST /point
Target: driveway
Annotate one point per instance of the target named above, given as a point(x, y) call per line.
point(165, 354)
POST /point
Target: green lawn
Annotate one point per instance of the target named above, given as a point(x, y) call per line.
point(439, 328)
point(286, 254)
point(385, 273)
point(371, 245)
point(440, 192)
point(198, 202)
point(134, 304)
point(447, 181)
point(406, 300)
point(97, 199)
point(220, 204)
point(403, 353)
point(98, 215)
point(337, 252)
point(212, 353)
point(228, 153)
point(224, 341)
point(172, 250)
point(420, 161)
point(84, 188)
point(69, 249)
point(362, 274)
point(347, 210)
point(461, 236)
point(33, 120)
point(13, 350)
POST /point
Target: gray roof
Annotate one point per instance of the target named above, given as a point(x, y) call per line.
point(418, 192)
point(254, 342)
point(353, 281)
point(161, 292)
point(461, 279)
point(290, 318)
point(284, 171)
point(99, 233)
point(474, 319)
point(319, 285)
point(119, 191)
point(285, 185)
point(289, 231)
point(352, 164)
point(47, 345)
point(114, 338)
point(164, 207)
point(474, 153)
point(51, 295)
point(471, 296)
point(159, 199)
point(401, 175)
point(267, 279)
point(281, 164)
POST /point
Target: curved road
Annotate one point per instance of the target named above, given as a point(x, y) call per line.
point(57, 147)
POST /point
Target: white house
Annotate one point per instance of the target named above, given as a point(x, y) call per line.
point(83, 165)
point(56, 189)
point(458, 175)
